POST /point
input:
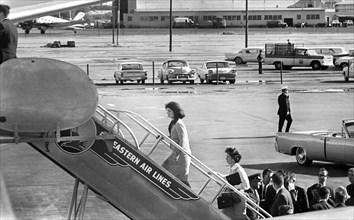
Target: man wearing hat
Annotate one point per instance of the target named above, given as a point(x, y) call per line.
point(284, 110)
point(255, 182)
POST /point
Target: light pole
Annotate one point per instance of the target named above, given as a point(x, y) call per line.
point(170, 25)
point(246, 27)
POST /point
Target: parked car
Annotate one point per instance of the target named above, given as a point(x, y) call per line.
point(334, 51)
point(216, 71)
point(130, 71)
point(344, 61)
point(276, 23)
point(176, 70)
point(348, 23)
point(319, 145)
point(348, 72)
point(244, 55)
point(336, 23)
point(182, 22)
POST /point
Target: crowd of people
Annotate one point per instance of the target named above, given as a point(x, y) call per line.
point(278, 194)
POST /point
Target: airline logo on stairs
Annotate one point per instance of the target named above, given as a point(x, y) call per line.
point(124, 154)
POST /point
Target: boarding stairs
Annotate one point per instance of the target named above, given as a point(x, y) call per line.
point(117, 155)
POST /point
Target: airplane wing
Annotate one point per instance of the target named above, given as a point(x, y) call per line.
point(26, 10)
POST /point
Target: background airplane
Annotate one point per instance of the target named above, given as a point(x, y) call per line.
point(31, 9)
point(43, 23)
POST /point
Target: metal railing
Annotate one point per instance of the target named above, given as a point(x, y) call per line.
point(116, 125)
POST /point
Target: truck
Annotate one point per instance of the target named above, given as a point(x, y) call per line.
point(286, 56)
point(183, 22)
point(276, 23)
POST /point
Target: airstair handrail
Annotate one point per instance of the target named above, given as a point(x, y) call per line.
point(121, 122)
point(166, 140)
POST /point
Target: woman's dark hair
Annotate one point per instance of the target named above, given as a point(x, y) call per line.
point(177, 110)
point(5, 9)
point(234, 154)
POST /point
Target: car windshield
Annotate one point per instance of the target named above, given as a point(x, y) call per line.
point(311, 52)
point(132, 66)
point(219, 64)
point(350, 128)
point(178, 63)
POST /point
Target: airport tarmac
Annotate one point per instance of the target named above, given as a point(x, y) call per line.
point(241, 115)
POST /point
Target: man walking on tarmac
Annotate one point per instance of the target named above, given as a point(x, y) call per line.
point(260, 60)
point(284, 110)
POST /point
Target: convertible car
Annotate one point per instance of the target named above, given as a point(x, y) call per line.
point(321, 145)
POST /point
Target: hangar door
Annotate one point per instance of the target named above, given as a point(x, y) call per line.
point(289, 21)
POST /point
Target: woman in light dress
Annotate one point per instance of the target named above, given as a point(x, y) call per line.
point(178, 162)
point(238, 210)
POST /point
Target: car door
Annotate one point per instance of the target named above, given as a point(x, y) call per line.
point(301, 58)
point(247, 55)
point(339, 149)
point(253, 55)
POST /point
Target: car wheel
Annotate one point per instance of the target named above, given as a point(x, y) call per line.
point(191, 82)
point(302, 158)
point(343, 65)
point(238, 60)
point(232, 81)
point(316, 65)
point(121, 82)
point(201, 80)
point(277, 65)
point(142, 81)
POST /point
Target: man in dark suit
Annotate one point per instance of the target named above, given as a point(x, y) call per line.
point(312, 191)
point(322, 204)
point(8, 35)
point(298, 194)
point(260, 60)
point(350, 187)
point(284, 110)
point(266, 175)
point(282, 204)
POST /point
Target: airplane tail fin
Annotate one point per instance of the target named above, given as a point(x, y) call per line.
point(79, 16)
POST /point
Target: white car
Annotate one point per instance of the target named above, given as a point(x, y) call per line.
point(217, 71)
point(348, 72)
point(343, 61)
point(348, 23)
point(336, 23)
point(176, 70)
point(336, 52)
point(244, 55)
point(130, 71)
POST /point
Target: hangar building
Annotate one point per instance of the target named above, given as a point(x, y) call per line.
point(156, 13)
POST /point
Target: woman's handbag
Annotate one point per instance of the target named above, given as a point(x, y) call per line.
point(225, 201)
